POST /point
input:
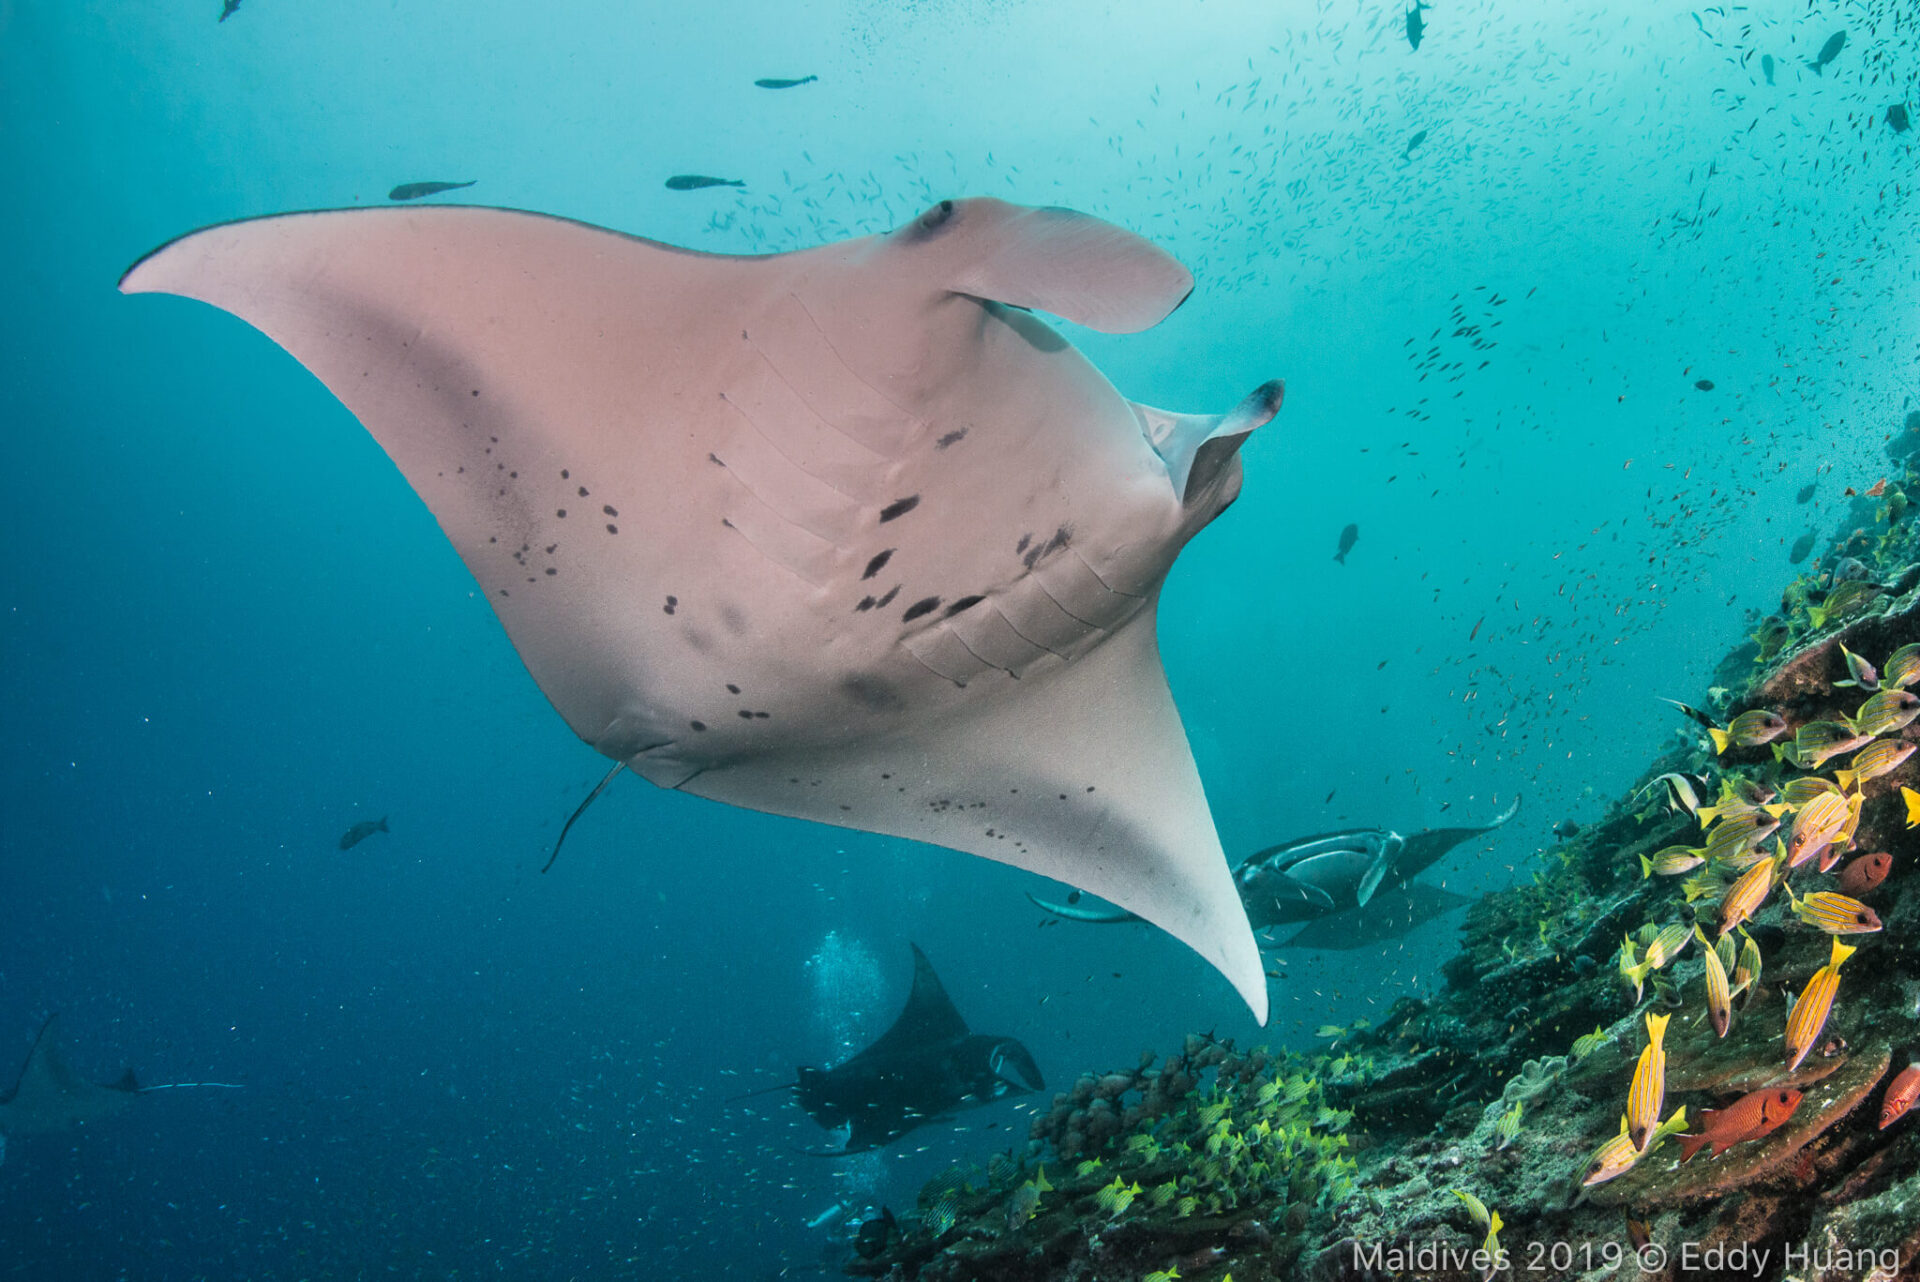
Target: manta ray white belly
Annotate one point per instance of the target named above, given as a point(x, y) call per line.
point(842, 534)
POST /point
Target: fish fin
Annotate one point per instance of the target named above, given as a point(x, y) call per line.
point(1720, 740)
point(1691, 1144)
point(1074, 265)
point(1376, 873)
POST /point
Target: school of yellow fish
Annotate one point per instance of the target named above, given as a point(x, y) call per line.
point(1731, 875)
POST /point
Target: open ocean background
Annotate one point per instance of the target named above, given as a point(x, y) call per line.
point(231, 631)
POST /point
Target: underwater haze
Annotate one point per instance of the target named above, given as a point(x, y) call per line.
point(1585, 317)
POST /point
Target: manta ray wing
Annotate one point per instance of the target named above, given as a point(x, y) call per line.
point(50, 1096)
point(928, 1017)
point(832, 534)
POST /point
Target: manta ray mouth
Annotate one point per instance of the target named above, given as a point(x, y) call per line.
point(1012, 1064)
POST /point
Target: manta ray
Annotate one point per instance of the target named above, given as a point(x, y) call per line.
point(926, 1067)
point(1351, 888)
point(847, 534)
point(50, 1097)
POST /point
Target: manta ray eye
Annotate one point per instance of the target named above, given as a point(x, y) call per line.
point(937, 217)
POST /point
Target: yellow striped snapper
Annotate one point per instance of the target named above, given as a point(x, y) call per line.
point(1612, 1159)
point(1508, 1126)
point(1846, 600)
point(1588, 1043)
point(1656, 945)
point(1731, 836)
point(1475, 1207)
point(1860, 674)
point(1617, 1156)
point(1843, 840)
point(1903, 668)
point(1886, 712)
point(1746, 971)
point(1835, 913)
point(1748, 730)
point(1809, 1014)
point(1745, 896)
point(1798, 792)
point(1737, 802)
point(1814, 742)
point(1815, 827)
point(1672, 861)
point(1740, 861)
point(1649, 1089)
point(1719, 991)
point(1876, 759)
point(1704, 885)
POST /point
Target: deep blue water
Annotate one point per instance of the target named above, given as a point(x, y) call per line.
point(231, 631)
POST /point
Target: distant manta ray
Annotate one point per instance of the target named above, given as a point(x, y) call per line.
point(845, 534)
point(926, 1067)
point(1351, 888)
point(50, 1097)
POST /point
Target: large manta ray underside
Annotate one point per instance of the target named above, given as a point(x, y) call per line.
point(846, 534)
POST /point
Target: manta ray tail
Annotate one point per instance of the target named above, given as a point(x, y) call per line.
point(764, 1090)
point(578, 811)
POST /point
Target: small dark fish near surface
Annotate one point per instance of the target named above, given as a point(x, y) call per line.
point(1897, 118)
point(1766, 66)
point(694, 182)
point(785, 84)
point(1416, 25)
point(1828, 52)
point(363, 830)
point(1801, 546)
point(1413, 142)
point(229, 9)
point(1704, 384)
point(1348, 537)
point(414, 191)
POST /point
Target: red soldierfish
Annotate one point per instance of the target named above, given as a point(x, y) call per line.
point(1901, 1093)
point(1865, 873)
point(1750, 1117)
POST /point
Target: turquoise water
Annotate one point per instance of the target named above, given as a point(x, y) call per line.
point(231, 630)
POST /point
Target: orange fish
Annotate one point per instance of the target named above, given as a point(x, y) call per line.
point(1865, 873)
point(1750, 1117)
point(1901, 1093)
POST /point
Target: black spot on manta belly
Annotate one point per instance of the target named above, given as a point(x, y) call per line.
point(887, 600)
point(1022, 545)
point(866, 603)
point(925, 605)
point(964, 603)
point(871, 692)
point(951, 438)
point(672, 603)
point(732, 688)
point(878, 564)
point(899, 508)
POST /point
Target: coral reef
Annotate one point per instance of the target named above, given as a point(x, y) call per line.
point(1502, 1086)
